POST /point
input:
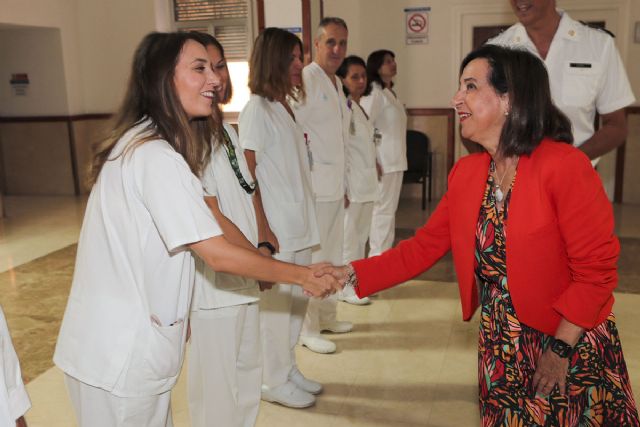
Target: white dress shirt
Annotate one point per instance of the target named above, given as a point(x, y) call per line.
point(586, 73)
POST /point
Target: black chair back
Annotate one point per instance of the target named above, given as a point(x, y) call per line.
point(419, 162)
point(418, 148)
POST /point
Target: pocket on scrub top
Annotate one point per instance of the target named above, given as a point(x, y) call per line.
point(325, 179)
point(579, 82)
point(363, 183)
point(163, 354)
point(295, 221)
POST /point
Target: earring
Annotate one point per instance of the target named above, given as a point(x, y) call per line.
point(506, 113)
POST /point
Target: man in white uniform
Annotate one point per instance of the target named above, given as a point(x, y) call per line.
point(586, 73)
point(14, 401)
point(324, 120)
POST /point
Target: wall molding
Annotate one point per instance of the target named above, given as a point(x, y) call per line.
point(620, 160)
point(48, 119)
point(68, 120)
point(232, 117)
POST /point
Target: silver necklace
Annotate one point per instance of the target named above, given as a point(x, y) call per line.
point(497, 191)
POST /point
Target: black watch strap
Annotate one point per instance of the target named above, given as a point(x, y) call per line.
point(267, 245)
point(560, 348)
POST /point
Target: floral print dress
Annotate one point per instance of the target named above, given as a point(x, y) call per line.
point(598, 388)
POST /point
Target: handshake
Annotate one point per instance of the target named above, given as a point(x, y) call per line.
point(324, 279)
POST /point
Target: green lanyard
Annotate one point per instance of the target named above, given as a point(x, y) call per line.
point(231, 154)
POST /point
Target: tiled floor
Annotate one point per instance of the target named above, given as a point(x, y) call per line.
point(410, 361)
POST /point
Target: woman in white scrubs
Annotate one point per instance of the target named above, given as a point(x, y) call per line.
point(390, 119)
point(14, 400)
point(225, 367)
point(122, 338)
point(361, 171)
point(280, 161)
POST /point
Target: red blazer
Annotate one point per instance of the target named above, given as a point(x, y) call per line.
point(561, 250)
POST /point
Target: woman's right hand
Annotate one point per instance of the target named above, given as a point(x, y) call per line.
point(320, 282)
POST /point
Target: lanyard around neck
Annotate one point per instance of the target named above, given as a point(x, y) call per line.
point(231, 154)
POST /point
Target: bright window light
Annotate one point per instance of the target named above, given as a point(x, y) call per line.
point(239, 72)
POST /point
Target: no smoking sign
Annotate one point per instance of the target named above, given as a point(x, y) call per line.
point(417, 25)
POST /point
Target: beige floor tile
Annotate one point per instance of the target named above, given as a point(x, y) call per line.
point(430, 384)
point(36, 226)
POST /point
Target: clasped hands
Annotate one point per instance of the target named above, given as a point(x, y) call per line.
point(324, 279)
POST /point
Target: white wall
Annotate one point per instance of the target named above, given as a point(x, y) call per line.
point(109, 33)
point(37, 52)
point(60, 14)
point(97, 40)
point(282, 13)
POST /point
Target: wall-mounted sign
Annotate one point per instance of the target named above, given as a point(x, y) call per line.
point(19, 84)
point(417, 25)
point(295, 30)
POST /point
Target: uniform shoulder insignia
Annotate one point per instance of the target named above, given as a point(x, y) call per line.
point(596, 27)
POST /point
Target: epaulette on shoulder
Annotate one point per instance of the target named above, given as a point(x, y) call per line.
point(604, 30)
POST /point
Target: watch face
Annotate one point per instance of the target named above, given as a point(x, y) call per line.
point(561, 348)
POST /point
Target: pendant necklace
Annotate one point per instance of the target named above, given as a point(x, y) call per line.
point(497, 190)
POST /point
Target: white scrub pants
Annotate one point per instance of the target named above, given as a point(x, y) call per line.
point(383, 222)
point(225, 367)
point(330, 217)
point(357, 223)
point(95, 407)
point(14, 400)
point(282, 310)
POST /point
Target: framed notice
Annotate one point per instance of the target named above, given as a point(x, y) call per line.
point(417, 25)
point(19, 84)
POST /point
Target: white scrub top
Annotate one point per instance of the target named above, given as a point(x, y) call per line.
point(388, 115)
point(14, 400)
point(586, 73)
point(217, 290)
point(362, 177)
point(282, 172)
point(124, 326)
point(324, 119)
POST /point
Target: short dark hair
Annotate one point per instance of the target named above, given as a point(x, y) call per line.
point(532, 114)
point(208, 40)
point(269, 65)
point(344, 69)
point(374, 62)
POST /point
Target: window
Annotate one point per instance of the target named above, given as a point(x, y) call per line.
point(230, 22)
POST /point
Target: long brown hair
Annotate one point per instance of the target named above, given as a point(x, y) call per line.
point(269, 65)
point(151, 95)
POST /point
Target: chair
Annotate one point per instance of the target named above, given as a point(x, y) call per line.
point(419, 162)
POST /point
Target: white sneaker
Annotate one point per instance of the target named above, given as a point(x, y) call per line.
point(289, 395)
point(317, 344)
point(353, 299)
point(304, 383)
point(337, 326)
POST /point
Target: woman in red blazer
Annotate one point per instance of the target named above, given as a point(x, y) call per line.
point(531, 209)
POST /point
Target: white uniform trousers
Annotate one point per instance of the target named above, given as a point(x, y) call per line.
point(95, 407)
point(225, 367)
point(383, 221)
point(282, 310)
point(330, 217)
point(357, 223)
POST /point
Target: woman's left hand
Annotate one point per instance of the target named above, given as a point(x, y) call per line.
point(551, 370)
